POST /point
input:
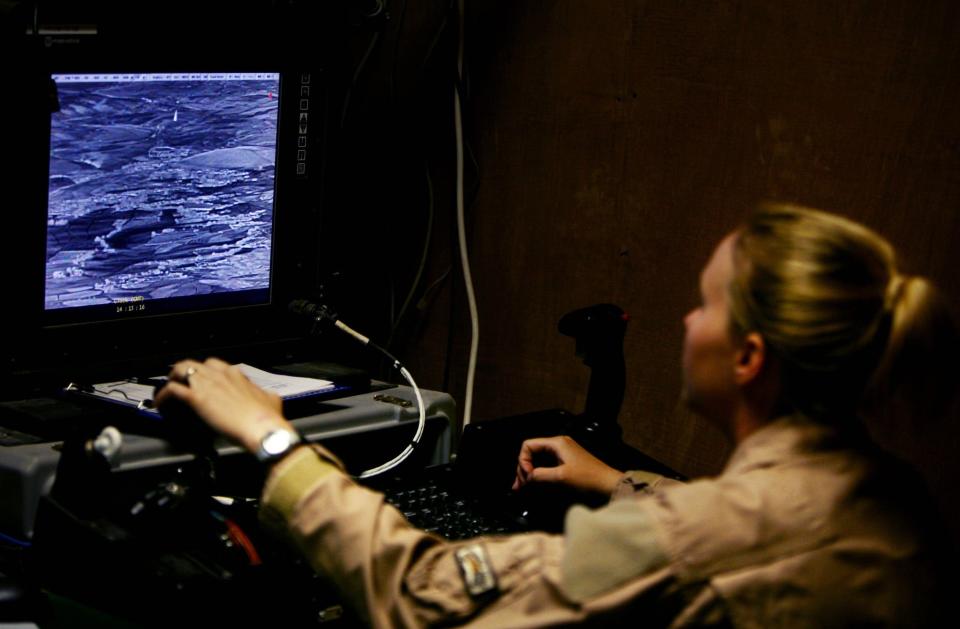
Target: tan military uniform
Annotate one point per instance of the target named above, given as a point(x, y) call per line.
point(801, 529)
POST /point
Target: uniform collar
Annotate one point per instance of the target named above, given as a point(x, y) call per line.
point(785, 438)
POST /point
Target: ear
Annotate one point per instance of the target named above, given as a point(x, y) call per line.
point(750, 359)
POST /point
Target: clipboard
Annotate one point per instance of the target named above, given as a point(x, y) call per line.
point(137, 393)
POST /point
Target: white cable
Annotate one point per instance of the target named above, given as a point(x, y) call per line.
point(389, 465)
point(422, 418)
point(462, 235)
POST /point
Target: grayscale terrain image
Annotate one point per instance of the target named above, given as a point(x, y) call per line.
point(160, 189)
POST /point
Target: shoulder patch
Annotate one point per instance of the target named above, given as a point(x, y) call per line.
point(476, 570)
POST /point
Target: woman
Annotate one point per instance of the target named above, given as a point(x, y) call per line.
point(808, 525)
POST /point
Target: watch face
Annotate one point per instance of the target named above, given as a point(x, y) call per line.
point(276, 442)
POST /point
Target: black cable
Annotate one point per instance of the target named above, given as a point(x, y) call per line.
point(356, 75)
point(423, 257)
point(396, 53)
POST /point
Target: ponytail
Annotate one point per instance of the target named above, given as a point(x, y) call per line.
point(918, 372)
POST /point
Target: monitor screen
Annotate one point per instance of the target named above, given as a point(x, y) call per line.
point(160, 194)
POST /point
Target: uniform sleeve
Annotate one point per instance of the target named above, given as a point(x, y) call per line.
point(395, 575)
point(639, 482)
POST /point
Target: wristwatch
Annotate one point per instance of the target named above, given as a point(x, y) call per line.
point(276, 444)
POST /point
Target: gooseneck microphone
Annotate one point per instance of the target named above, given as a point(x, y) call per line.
point(321, 314)
point(310, 309)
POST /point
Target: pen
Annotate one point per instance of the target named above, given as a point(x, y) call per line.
point(154, 382)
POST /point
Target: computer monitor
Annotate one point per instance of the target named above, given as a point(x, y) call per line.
point(163, 209)
point(161, 194)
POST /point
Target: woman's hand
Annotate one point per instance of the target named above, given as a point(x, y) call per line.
point(574, 466)
point(223, 397)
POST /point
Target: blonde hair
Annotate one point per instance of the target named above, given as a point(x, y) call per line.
point(851, 332)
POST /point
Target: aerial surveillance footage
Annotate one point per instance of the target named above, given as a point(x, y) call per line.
point(161, 186)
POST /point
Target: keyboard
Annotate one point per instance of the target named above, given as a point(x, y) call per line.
point(434, 500)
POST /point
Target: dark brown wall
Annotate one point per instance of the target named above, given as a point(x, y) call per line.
point(618, 141)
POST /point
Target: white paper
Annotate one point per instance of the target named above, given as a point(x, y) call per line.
point(285, 386)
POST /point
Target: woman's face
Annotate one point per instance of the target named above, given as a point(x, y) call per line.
point(709, 349)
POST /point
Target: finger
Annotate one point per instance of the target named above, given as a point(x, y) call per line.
point(172, 390)
point(523, 460)
point(541, 444)
point(530, 447)
point(519, 481)
point(520, 477)
point(218, 364)
point(545, 475)
point(179, 367)
point(236, 374)
point(183, 370)
point(175, 369)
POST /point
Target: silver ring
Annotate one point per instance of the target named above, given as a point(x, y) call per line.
point(190, 371)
